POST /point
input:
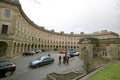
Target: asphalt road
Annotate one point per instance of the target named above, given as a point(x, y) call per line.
point(23, 72)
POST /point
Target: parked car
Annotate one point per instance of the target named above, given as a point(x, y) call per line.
point(70, 54)
point(73, 53)
point(7, 68)
point(38, 51)
point(43, 50)
point(62, 52)
point(55, 49)
point(44, 60)
point(29, 53)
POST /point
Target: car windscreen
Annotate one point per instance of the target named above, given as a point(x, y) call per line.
point(42, 58)
point(35, 61)
point(2, 65)
point(39, 58)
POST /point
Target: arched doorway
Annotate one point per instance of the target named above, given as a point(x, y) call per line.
point(3, 48)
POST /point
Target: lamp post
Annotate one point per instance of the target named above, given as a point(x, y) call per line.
point(66, 48)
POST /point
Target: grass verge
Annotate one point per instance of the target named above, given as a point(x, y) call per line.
point(111, 72)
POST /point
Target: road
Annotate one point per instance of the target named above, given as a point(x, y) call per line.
point(23, 72)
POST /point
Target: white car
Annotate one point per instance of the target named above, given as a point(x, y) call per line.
point(75, 53)
point(38, 51)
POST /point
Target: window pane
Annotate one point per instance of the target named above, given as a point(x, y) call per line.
point(4, 29)
point(7, 13)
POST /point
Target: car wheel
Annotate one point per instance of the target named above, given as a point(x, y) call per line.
point(37, 66)
point(52, 61)
point(8, 73)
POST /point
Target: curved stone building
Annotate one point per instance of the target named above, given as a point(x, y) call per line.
point(19, 34)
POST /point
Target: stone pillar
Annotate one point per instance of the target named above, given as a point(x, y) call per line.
point(9, 52)
point(88, 59)
point(118, 52)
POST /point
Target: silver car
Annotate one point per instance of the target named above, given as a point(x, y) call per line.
point(44, 60)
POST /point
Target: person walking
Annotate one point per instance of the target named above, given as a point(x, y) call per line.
point(67, 59)
point(60, 59)
point(64, 59)
point(49, 55)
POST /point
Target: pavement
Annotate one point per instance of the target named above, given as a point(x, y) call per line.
point(73, 68)
point(75, 65)
point(77, 68)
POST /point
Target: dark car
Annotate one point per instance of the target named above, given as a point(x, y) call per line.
point(43, 50)
point(44, 60)
point(7, 68)
point(29, 53)
point(70, 54)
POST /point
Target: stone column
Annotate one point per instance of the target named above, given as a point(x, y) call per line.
point(9, 52)
point(88, 59)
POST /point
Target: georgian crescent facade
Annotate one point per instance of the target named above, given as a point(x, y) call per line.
point(19, 34)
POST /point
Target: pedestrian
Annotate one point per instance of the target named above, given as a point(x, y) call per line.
point(67, 59)
point(49, 55)
point(64, 59)
point(60, 59)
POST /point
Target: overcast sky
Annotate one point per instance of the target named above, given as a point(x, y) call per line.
point(74, 15)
